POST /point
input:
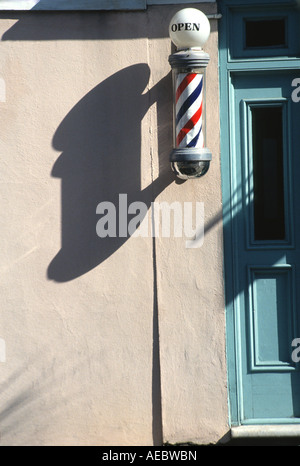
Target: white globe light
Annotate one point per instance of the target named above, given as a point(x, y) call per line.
point(189, 28)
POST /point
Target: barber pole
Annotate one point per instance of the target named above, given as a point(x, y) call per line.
point(189, 107)
point(189, 157)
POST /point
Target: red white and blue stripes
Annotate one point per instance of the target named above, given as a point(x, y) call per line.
point(188, 114)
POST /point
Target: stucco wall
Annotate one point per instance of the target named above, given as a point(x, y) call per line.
point(108, 341)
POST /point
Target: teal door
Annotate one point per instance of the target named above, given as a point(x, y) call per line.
point(264, 297)
point(259, 52)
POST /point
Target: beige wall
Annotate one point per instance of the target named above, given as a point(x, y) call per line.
point(87, 115)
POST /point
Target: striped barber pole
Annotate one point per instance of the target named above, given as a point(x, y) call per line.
point(189, 103)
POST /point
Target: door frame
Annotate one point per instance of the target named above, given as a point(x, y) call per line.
point(228, 67)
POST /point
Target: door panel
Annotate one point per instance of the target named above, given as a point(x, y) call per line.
point(272, 317)
point(266, 228)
